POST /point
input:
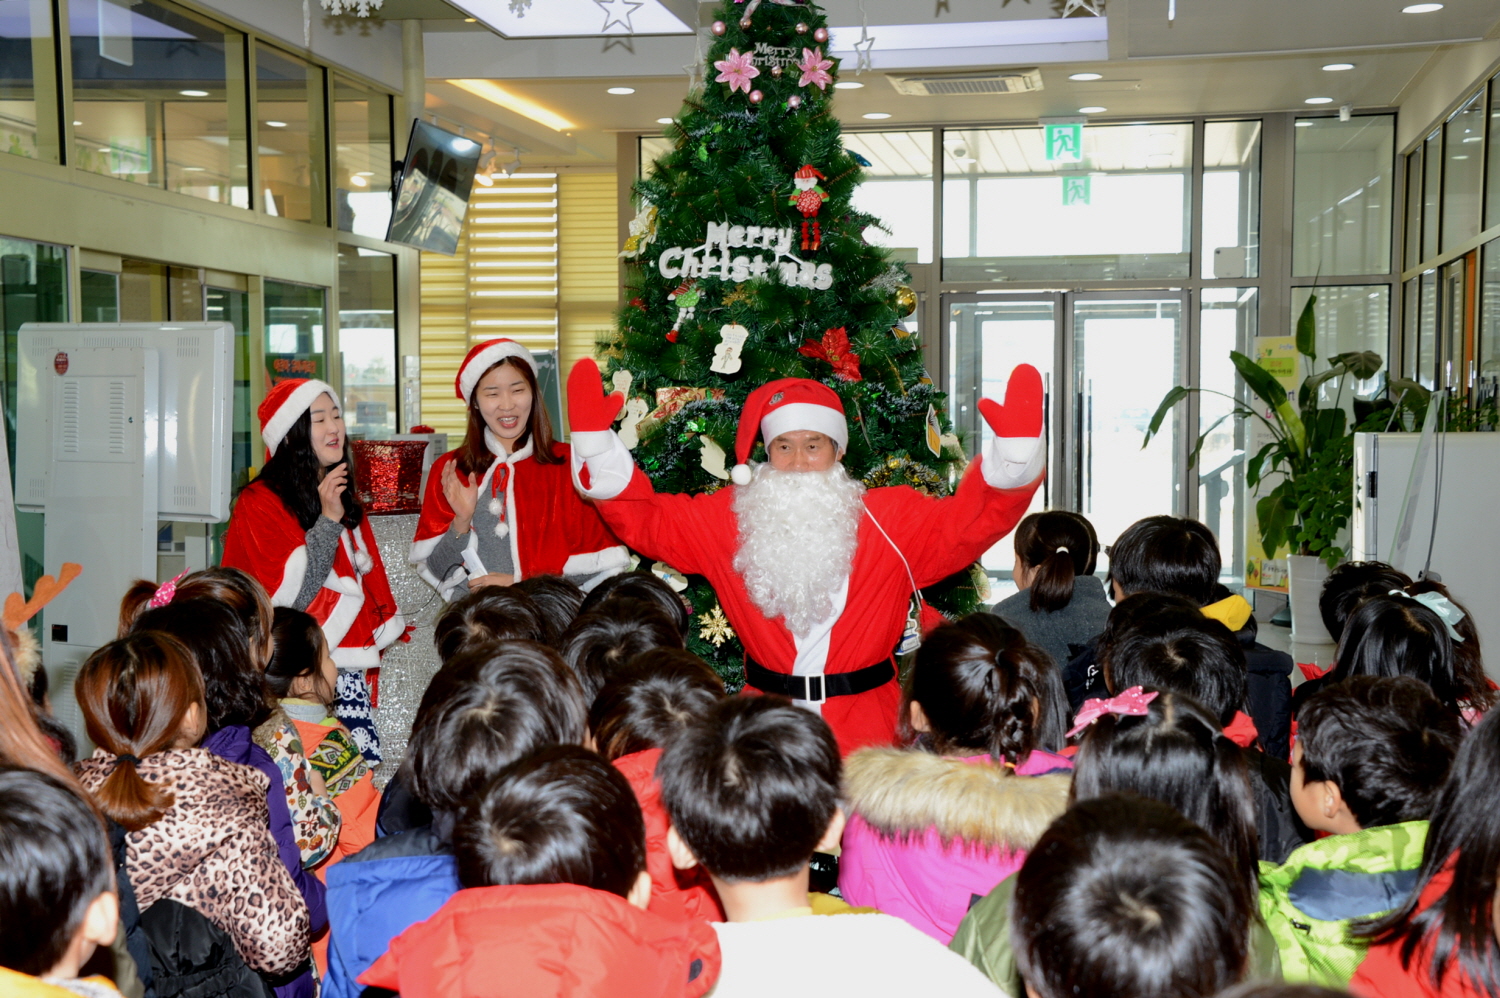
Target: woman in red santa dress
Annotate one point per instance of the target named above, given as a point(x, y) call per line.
point(299, 530)
point(502, 506)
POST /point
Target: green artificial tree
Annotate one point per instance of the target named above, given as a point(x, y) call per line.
point(750, 264)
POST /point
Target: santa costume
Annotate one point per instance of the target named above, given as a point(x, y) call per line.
point(354, 605)
point(529, 520)
point(843, 664)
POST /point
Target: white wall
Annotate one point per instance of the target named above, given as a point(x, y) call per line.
point(369, 45)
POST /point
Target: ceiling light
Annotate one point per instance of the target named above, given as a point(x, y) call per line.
point(359, 181)
point(193, 169)
point(1092, 109)
point(365, 173)
point(1082, 77)
point(484, 179)
point(1304, 124)
point(1421, 8)
point(470, 20)
point(663, 121)
point(77, 124)
point(848, 85)
point(520, 105)
point(276, 124)
point(1318, 100)
point(621, 91)
point(877, 116)
point(193, 93)
point(1337, 67)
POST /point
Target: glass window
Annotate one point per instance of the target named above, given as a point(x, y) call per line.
point(1411, 336)
point(33, 288)
point(1121, 211)
point(897, 188)
point(1488, 359)
point(1425, 372)
point(367, 340)
point(28, 80)
point(1229, 320)
point(233, 306)
point(362, 157)
point(1350, 318)
point(158, 95)
point(289, 122)
point(1341, 199)
point(1231, 199)
point(296, 318)
point(98, 296)
point(1463, 172)
point(653, 148)
point(1432, 193)
point(1414, 208)
point(1454, 324)
point(1492, 186)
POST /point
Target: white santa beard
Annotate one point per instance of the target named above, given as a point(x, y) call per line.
point(798, 532)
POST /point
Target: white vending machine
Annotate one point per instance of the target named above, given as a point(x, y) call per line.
point(119, 426)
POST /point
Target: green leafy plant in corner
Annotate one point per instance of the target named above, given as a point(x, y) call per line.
point(1312, 448)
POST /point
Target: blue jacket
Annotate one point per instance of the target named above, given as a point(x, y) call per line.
point(376, 894)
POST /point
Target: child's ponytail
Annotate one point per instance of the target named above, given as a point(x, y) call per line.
point(1058, 546)
point(134, 694)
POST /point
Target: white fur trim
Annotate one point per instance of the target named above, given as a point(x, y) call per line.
point(390, 632)
point(355, 659)
point(611, 559)
point(488, 358)
point(422, 550)
point(805, 416)
point(610, 465)
point(301, 400)
point(1013, 462)
point(291, 578)
point(741, 474)
point(351, 598)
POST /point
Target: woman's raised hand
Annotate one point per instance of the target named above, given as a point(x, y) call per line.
point(463, 498)
point(331, 491)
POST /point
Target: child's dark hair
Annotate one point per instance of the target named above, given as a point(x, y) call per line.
point(1349, 585)
point(642, 586)
point(54, 861)
point(1123, 897)
point(134, 694)
point(1457, 930)
point(229, 587)
point(484, 617)
point(298, 644)
point(560, 816)
point(484, 710)
point(1397, 636)
point(1468, 660)
point(653, 698)
point(1385, 741)
point(984, 688)
point(556, 599)
point(1269, 989)
point(1175, 647)
point(234, 687)
point(1167, 554)
point(67, 744)
point(601, 641)
point(752, 787)
point(1059, 546)
point(1176, 754)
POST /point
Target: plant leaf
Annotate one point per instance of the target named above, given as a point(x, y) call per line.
point(1193, 457)
point(1363, 364)
point(1261, 381)
point(1307, 330)
point(1253, 466)
point(1175, 395)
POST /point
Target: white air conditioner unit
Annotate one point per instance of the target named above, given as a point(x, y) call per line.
point(1003, 81)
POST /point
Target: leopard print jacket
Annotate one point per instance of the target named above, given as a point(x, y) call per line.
point(213, 852)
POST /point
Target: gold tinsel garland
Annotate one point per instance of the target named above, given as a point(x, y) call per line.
point(901, 470)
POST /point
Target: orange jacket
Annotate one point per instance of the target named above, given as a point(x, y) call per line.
point(548, 941)
point(674, 893)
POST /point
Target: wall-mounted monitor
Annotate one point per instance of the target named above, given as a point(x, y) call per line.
point(433, 195)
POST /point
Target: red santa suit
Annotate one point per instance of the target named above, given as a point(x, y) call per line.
point(529, 519)
point(904, 539)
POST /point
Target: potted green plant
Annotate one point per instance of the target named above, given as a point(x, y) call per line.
point(1311, 448)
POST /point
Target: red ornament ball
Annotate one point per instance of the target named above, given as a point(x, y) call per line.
point(756, 96)
point(720, 27)
point(821, 35)
point(638, 303)
point(801, 27)
point(672, 336)
point(794, 102)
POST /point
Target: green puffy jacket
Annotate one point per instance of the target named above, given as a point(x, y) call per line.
point(1309, 901)
point(983, 938)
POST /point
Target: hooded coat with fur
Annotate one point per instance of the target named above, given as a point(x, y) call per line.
point(928, 833)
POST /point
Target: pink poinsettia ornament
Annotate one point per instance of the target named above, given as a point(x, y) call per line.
point(815, 69)
point(737, 70)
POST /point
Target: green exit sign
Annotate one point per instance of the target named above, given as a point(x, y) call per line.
point(1076, 190)
point(1064, 143)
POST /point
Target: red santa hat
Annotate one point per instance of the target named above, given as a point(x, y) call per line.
point(485, 356)
point(782, 406)
point(807, 177)
point(284, 405)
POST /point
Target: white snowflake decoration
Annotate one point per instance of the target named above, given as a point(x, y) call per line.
point(520, 7)
point(359, 8)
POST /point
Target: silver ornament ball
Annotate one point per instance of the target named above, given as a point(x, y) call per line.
point(776, 72)
point(801, 28)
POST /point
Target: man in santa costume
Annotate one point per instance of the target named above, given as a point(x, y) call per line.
point(815, 572)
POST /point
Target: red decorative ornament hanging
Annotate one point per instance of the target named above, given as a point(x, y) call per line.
point(835, 350)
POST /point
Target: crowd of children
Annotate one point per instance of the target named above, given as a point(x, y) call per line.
point(1120, 798)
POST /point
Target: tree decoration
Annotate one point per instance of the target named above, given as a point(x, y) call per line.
point(906, 300)
point(814, 69)
point(686, 297)
point(737, 69)
point(821, 36)
point(898, 469)
point(756, 96)
point(727, 354)
point(719, 27)
point(793, 102)
point(809, 200)
point(715, 627)
point(642, 231)
point(834, 349)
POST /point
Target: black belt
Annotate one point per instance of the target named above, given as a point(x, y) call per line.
point(819, 688)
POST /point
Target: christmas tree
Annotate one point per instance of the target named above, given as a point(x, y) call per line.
point(750, 264)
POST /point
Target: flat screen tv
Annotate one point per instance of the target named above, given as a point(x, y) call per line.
point(433, 195)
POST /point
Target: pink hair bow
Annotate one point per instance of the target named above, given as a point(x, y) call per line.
point(168, 589)
point(1132, 702)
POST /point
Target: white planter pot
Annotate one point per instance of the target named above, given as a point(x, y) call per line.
point(1305, 575)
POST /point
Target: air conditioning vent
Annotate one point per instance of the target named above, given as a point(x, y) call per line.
point(1007, 81)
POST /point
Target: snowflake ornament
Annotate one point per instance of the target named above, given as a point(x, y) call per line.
point(815, 69)
point(520, 7)
point(715, 627)
point(359, 8)
point(737, 70)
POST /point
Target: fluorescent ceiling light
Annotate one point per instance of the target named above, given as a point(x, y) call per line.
point(276, 124)
point(193, 169)
point(1081, 77)
point(365, 173)
point(511, 102)
point(663, 121)
point(574, 18)
point(877, 115)
point(358, 181)
point(193, 93)
point(1318, 100)
point(1304, 124)
point(848, 85)
point(621, 91)
point(1337, 67)
point(972, 34)
point(1421, 8)
point(1092, 109)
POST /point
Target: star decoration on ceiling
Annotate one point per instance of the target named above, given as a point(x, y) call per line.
point(862, 51)
point(1071, 7)
point(619, 12)
point(942, 8)
point(619, 42)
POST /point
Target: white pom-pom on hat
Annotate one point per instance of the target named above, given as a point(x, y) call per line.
point(740, 474)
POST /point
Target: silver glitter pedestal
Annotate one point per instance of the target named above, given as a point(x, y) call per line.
point(406, 668)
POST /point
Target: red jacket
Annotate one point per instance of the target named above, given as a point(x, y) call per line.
point(547, 941)
point(674, 893)
point(1382, 976)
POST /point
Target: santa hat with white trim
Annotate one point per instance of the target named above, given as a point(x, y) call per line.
point(485, 356)
point(284, 405)
point(782, 406)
